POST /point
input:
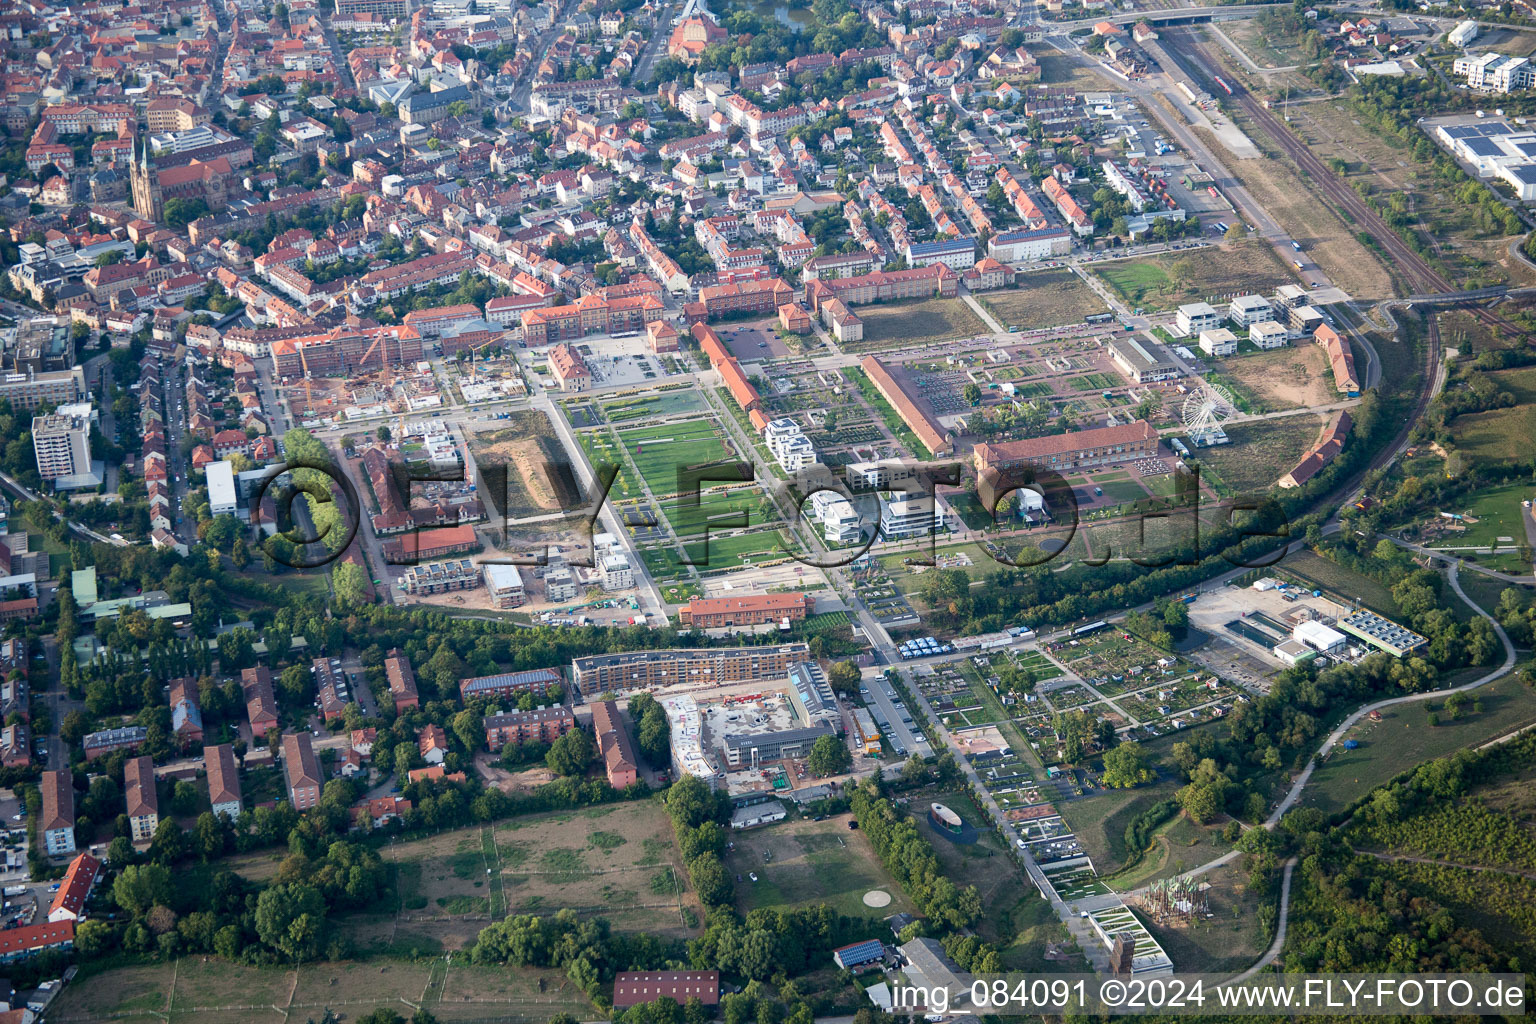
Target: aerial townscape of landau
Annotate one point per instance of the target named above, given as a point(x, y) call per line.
point(669, 511)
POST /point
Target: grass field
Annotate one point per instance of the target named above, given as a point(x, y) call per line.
point(448, 886)
point(1404, 738)
point(665, 403)
point(1501, 435)
point(1498, 513)
point(194, 990)
point(601, 450)
point(1045, 298)
point(1261, 452)
point(660, 451)
point(1343, 582)
point(733, 552)
point(908, 324)
point(1168, 280)
point(719, 511)
point(802, 863)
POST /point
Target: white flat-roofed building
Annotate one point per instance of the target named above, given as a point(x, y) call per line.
point(1319, 637)
point(840, 521)
point(505, 585)
point(878, 476)
point(1269, 334)
point(1195, 317)
point(789, 445)
point(1247, 310)
point(617, 574)
point(222, 500)
point(1462, 34)
point(903, 516)
point(1218, 341)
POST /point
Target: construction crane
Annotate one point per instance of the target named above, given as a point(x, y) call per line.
point(309, 397)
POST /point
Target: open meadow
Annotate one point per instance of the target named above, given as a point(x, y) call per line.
point(803, 863)
point(1260, 452)
point(206, 990)
point(1043, 298)
point(1172, 279)
point(909, 324)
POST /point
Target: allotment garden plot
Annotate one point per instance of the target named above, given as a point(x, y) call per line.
point(1136, 686)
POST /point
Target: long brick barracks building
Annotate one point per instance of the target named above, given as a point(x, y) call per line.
point(717, 612)
point(346, 349)
point(591, 314)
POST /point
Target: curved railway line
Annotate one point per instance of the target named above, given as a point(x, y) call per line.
point(1417, 274)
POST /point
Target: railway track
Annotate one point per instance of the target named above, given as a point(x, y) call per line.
point(1416, 273)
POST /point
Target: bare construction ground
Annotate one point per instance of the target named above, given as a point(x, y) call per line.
point(1329, 242)
point(528, 448)
point(1284, 378)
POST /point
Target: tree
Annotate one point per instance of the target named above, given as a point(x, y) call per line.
point(383, 434)
point(290, 918)
point(1126, 766)
point(141, 886)
point(349, 582)
point(971, 393)
point(828, 756)
point(181, 212)
point(844, 677)
point(571, 753)
point(1237, 232)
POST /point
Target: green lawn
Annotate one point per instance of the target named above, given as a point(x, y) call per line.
point(600, 450)
point(1498, 512)
point(1501, 435)
point(659, 452)
point(1312, 568)
point(1404, 738)
point(726, 553)
point(719, 511)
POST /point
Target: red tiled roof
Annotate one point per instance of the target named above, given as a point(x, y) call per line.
point(1057, 444)
point(76, 885)
point(37, 936)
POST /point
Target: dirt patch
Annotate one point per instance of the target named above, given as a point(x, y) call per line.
point(1285, 378)
point(527, 456)
point(539, 476)
point(1288, 198)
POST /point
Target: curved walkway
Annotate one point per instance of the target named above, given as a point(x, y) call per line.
point(1333, 738)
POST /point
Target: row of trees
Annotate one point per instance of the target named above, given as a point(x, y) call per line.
point(911, 861)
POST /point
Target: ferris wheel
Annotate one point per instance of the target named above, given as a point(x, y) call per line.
point(1208, 406)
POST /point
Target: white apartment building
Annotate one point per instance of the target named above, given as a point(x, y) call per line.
point(1269, 334)
point(1495, 72)
point(62, 442)
point(1247, 310)
point(840, 521)
point(1218, 342)
point(909, 516)
point(789, 445)
point(1195, 317)
point(617, 575)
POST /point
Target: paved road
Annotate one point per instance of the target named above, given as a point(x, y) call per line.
point(1272, 954)
point(1333, 739)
